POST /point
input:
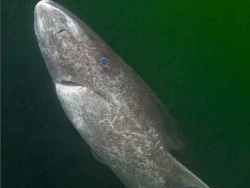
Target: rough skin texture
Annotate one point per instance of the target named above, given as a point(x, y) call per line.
point(112, 108)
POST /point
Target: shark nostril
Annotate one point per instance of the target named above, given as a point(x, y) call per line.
point(59, 28)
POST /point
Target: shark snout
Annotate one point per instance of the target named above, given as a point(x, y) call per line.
point(50, 18)
point(59, 35)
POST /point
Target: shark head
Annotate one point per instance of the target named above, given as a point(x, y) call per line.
point(74, 54)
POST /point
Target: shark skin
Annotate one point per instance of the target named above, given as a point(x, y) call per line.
point(127, 127)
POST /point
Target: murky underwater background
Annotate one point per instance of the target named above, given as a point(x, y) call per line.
point(193, 54)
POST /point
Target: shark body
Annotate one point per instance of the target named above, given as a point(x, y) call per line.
point(113, 109)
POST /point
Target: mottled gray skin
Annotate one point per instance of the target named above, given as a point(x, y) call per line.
point(111, 107)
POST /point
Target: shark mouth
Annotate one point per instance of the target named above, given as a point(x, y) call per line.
point(69, 85)
point(74, 87)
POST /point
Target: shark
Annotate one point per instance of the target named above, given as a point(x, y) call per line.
point(125, 124)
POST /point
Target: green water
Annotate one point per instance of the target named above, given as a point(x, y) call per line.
point(193, 54)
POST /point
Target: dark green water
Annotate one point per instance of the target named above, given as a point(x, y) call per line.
point(193, 54)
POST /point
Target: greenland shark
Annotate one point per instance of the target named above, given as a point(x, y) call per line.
point(125, 124)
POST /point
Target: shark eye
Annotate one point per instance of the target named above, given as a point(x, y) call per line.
point(104, 62)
